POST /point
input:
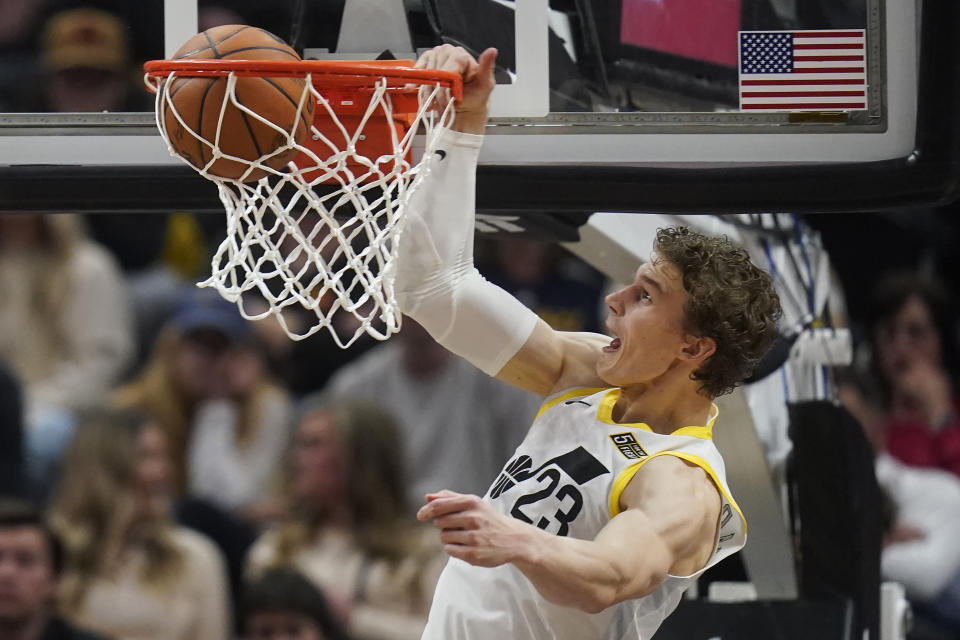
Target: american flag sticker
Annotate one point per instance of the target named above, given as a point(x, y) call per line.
point(803, 70)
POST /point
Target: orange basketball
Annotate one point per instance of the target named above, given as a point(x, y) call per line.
point(199, 102)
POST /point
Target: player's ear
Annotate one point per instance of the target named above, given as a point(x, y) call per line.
point(698, 348)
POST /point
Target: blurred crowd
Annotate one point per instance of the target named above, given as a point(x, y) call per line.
point(172, 470)
point(169, 469)
point(88, 55)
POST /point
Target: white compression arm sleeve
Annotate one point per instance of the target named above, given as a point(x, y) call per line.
point(436, 283)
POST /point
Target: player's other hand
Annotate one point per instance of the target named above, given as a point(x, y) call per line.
point(472, 531)
point(478, 82)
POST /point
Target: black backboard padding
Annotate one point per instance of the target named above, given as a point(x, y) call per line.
point(757, 620)
point(878, 186)
point(836, 511)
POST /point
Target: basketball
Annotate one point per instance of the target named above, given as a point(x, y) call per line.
point(199, 101)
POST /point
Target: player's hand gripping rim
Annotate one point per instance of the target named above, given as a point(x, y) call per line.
point(478, 83)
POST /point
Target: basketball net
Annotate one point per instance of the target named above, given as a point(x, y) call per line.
point(314, 244)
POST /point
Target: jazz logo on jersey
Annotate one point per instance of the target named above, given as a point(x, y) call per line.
point(578, 464)
point(547, 497)
point(628, 445)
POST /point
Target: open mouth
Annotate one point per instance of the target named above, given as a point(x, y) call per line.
point(613, 346)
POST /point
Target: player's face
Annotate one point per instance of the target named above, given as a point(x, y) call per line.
point(27, 583)
point(646, 320)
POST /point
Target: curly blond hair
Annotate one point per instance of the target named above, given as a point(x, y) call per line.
point(730, 300)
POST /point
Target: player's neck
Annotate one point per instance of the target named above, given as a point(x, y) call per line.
point(664, 408)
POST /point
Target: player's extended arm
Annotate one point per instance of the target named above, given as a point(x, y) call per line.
point(438, 286)
point(668, 526)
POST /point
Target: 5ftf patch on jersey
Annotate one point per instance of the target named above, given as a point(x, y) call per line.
point(628, 445)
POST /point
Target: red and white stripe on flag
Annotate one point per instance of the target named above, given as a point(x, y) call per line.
point(823, 70)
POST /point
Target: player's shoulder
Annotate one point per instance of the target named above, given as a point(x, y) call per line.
point(685, 504)
point(666, 481)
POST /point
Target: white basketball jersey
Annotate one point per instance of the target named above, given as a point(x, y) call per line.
point(566, 477)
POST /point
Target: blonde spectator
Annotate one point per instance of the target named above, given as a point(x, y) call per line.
point(65, 328)
point(130, 572)
point(351, 532)
point(64, 323)
point(226, 421)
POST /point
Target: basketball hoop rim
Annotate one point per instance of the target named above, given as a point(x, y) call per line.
point(332, 74)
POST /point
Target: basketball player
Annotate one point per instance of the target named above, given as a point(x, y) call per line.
point(617, 499)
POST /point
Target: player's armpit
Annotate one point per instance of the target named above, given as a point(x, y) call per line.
point(551, 361)
point(683, 506)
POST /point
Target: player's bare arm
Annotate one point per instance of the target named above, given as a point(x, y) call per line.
point(551, 361)
point(668, 526)
point(441, 290)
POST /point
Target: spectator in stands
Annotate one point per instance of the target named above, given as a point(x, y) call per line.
point(565, 292)
point(227, 423)
point(31, 558)
point(921, 528)
point(440, 402)
point(65, 329)
point(351, 531)
point(85, 56)
point(306, 365)
point(283, 605)
point(920, 546)
point(64, 324)
point(159, 255)
point(129, 572)
point(912, 349)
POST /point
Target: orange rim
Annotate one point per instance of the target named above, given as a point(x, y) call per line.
point(326, 74)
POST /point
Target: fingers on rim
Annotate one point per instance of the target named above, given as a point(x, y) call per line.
point(425, 60)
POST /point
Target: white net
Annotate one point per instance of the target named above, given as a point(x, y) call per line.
point(312, 243)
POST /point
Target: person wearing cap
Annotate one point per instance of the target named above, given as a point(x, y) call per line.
point(206, 384)
point(85, 54)
point(283, 605)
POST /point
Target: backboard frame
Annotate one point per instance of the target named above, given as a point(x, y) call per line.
point(922, 168)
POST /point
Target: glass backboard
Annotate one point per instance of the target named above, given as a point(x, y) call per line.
point(625, 104)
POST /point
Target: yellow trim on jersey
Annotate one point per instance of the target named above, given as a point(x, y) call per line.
point(620, 484)
point(574, 393)
point(705, 432)
point(605, 414)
